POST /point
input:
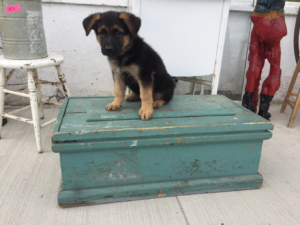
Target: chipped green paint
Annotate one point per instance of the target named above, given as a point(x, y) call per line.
point(157, 190)
point(126, 159)
point(178, 107)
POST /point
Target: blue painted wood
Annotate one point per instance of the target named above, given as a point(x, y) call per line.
point(157, 190)
point(60, 115)
point(133, 165)
point(243, 120)
point(155, 142)
point(124, 156)
point(178, 107)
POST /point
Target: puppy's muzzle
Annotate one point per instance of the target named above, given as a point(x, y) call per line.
point(109, 49)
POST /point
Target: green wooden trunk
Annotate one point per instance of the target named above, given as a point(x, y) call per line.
point(194, 144)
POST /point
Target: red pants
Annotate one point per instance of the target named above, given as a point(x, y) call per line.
point(267, 32)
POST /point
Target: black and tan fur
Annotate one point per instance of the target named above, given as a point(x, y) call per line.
point(133, 63)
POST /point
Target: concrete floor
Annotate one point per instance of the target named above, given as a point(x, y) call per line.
point(29, 185)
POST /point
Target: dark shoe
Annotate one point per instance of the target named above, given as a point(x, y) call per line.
point(4, 121)
point(264, 105)
point(248, 102)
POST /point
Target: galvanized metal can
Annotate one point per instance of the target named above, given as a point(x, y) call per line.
point(21, 29)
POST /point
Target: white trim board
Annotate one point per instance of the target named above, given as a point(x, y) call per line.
point(134, 6)
point(221, 42)
point(116, 3)
point(290, 9)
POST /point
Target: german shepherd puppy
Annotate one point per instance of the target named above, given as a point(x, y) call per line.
point(133, 62)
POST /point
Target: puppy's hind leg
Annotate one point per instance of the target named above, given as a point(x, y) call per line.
point(161, 99)
point(131, 97)
point(158, 103)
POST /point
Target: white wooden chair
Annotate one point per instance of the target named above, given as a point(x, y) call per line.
point(36, 102)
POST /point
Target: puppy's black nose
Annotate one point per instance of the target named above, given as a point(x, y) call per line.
point(109, 48)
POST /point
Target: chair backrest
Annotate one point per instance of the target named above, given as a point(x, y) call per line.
point(188, 34)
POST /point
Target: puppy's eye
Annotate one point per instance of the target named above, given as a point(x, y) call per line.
point(119, 33)
point(102, 33)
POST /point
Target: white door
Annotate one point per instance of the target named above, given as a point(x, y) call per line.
point(185, 33)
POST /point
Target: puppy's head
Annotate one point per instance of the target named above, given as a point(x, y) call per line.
point(114, 30)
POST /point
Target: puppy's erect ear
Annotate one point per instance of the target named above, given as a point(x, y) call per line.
point(132, 22)
point(90, 21)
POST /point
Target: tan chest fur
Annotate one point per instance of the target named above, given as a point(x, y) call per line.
point(132, 69)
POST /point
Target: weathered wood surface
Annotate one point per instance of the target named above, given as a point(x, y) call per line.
point(118, 157)
point(75, 126)
point(131, 165)
point(178, 107)
point(157, 190)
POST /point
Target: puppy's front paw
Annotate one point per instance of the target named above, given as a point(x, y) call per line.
point(146, 113)
point(113, 107)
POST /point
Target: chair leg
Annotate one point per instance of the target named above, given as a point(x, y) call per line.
point(295, 110)
point(192, 88)
point(288, 94)
point(202, 89)
point(34, 108)
point(63, 81)
point(39, 95)
point(2, 95)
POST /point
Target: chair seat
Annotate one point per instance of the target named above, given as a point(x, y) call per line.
point(53, 59)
